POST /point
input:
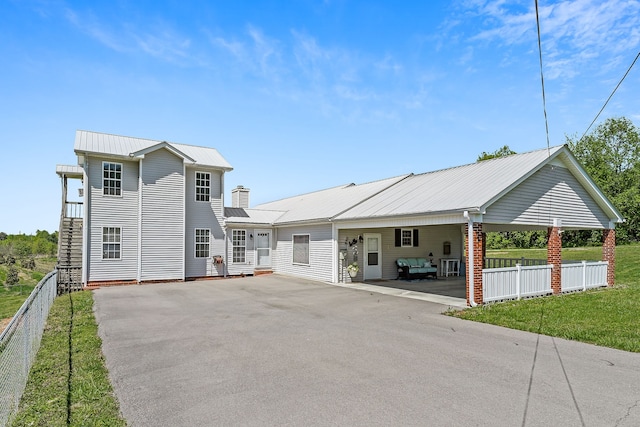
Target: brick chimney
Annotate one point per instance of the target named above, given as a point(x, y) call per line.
point(240, 197)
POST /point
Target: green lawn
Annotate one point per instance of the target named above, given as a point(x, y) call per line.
point(11, 298)
point(68, 384)
point(606, 317)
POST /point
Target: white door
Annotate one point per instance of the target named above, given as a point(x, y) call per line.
point(263, 249)
point(372, 256)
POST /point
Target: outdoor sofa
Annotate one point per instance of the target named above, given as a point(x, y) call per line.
point(415, 268)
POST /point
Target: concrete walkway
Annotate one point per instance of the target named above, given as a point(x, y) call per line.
point(271, 350)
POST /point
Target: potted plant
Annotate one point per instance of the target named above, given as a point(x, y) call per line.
point(353, 269)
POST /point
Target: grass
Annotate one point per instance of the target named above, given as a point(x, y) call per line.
point(11, 298)
point(68, 384)
point(606, 317)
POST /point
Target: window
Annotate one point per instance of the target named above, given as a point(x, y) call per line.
point(239, 241)
point(301, 249)
point(202, 242)
point(111, 179)
point(203, 186)
point(406, 237)
point(111, 237)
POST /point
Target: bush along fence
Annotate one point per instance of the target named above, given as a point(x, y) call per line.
point(19, 344)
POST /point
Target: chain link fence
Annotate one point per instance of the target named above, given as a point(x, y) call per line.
point(19, 344)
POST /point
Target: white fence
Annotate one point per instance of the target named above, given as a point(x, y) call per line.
point(515, 282)
point(583, 276)
point(518, 282)
point(19, 344)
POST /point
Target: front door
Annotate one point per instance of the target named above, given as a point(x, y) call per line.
point(372, 256)
point(263, 249)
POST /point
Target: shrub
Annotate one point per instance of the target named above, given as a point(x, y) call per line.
point(12, 276)
point(28, 263)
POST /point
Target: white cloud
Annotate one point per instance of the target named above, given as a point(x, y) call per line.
point(158, 40)
point(574, 33)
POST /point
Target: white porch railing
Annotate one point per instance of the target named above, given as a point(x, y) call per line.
point(500, 284)
point(515, 282)
point(583, 276)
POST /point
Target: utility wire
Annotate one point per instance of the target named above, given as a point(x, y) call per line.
point(544, 101)
point(610, 96)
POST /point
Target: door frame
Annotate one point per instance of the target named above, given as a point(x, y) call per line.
point(256, 248)
point(366, 256)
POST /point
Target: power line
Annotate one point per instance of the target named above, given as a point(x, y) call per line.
point(544, 101)
point(610, 96)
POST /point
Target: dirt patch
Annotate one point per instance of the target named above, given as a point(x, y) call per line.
point(4, 323)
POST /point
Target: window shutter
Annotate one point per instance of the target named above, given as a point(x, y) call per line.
point(398, 238)
point(415, 237)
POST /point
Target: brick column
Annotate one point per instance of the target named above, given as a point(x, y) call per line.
point(477, 263)
point(609, 253)
point(554, 257)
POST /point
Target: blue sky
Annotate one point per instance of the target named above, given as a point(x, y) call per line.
point(301, 95)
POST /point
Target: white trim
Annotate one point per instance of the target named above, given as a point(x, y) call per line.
point(121, 179)
point(334, 252)
point(139, 243)
point(86, 222)
point(293, 236)
point(195, 186)
point(365, 258)
point(402, 245)
point(233, 246)
point(196, 243)
point(102, 242)
point(184, 221)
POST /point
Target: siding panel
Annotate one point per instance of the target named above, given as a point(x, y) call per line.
point(550, 193)
point(112, 211)
point(162, 217)
point(320, 252)
point(203, 215)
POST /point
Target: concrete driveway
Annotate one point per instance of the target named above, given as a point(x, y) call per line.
point(272, 350)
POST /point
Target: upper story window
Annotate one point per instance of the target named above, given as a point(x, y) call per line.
point(203, 186)
point(111, 179)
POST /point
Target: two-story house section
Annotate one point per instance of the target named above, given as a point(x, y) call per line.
point(153, 210)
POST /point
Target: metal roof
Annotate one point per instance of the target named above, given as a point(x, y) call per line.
point(326, 204)
point(69, 170)
point(126, 146)
point(473, 187)
point(250, 216)
point(470, 187)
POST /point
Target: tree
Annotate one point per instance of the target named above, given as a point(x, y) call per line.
point(500, 152)
point(611, 156)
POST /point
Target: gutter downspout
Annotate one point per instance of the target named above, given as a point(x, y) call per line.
point(470, 275)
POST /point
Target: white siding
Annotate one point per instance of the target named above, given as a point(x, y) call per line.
point(320, 252)
point(552, 192)
point(162, 217)
point(203, 215)
point(112, 211)
point(430, 240)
